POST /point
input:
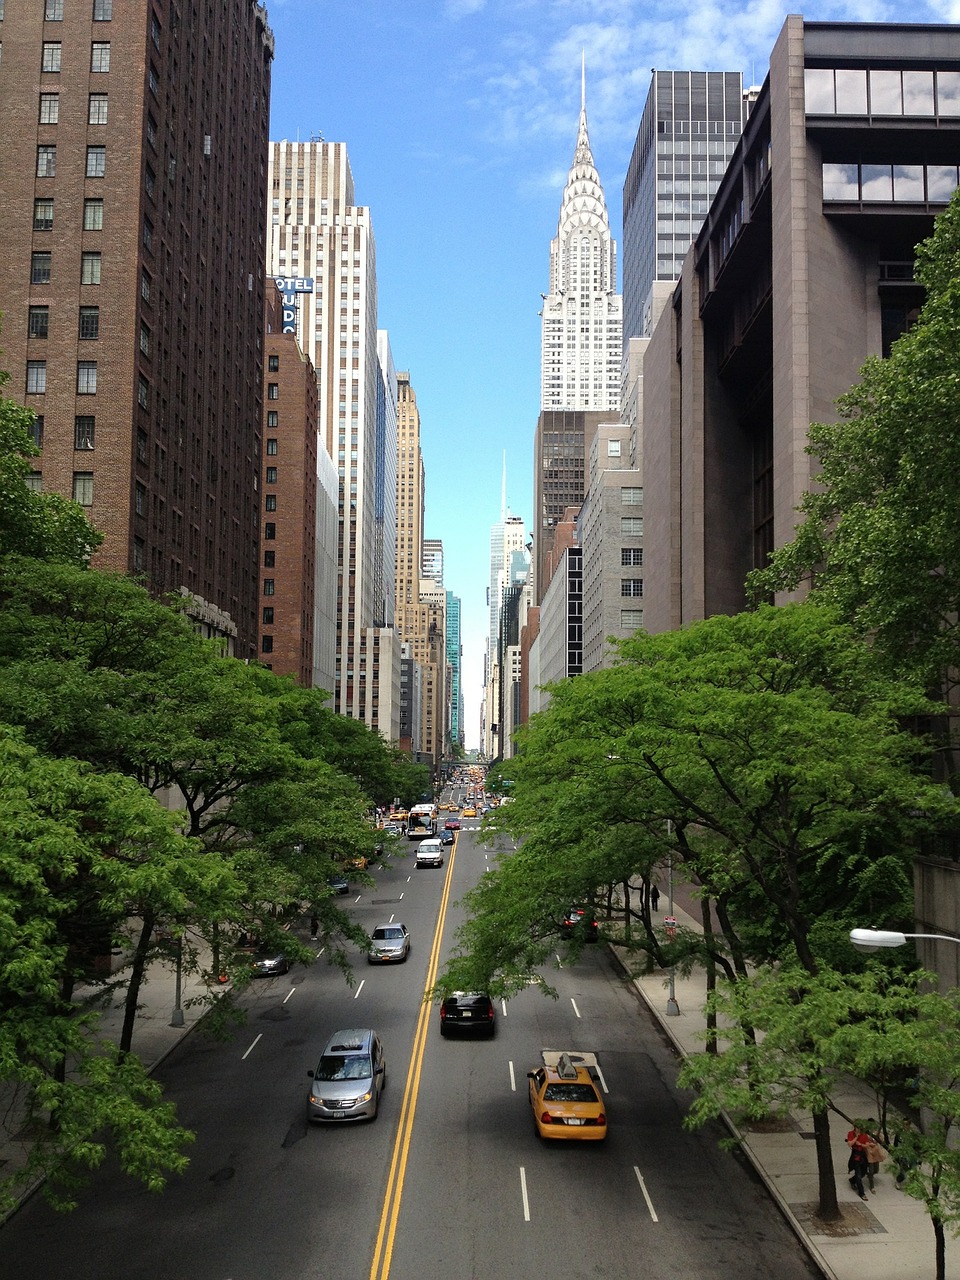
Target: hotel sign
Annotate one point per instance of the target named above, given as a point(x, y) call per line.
point(289, 287)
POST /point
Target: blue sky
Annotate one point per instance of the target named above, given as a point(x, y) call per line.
point(460, 119)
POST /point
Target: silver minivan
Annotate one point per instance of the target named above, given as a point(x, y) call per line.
point(349, 1077)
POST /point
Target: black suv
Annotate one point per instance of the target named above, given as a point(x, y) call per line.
point(469, 1012)
point(580, 922)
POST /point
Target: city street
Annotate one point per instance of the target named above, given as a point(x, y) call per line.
point(451, 1179)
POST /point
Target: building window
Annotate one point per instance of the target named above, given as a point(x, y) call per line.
point(53, 11)
point(36, 377)
point(100, 55)
point(143, 392)
point(34, 481)
point(35, 431)
point(269, 531)
point(139, 547)
point(90, 267)
point(631, 586)
point(145, 285)
point(273, 418)
point(50, 57)
point(271, 448)
point(93, 214)
point(144, 338)
point(266, 644)
point(38, 322)
point(155, 29)
point(271, 477)
point(631, 526)
point(613, 448)
point(273, 364)
point(49, 108)
point(631, 497)
point(268, 586)
point(273, 391)
point(102, 10)
point(140, 499)
point(96, 162)
point(40, 264)
point(86, 377)
point(148, 235)
point(46, 161)
point(84, 427)
point(269, 559)
point(42, 214)
point(149, 182)
point(268, 615)
point(631, 619)
point(83, 488)
point(89, 323)
point(631, 555)
point(141, 446)
point(270, 502)
point(97, 109)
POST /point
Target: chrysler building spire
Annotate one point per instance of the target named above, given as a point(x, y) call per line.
point(582, 316)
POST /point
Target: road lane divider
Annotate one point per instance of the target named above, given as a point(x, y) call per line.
point(575, 1009)
point(359, 989)
point(646, 1194)
point(513, 1077)
point(389, 1217)
point(289, 994)
point(523, 1194)
point(252, 1047)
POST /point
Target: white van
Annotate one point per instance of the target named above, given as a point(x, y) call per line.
point(430, 853)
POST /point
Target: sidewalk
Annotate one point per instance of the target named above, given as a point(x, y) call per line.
point(889, 1237)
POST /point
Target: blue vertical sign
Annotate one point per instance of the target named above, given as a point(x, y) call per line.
point(289, 287)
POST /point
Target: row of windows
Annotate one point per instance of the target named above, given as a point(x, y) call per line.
point(38, 324)
point(41, 266)
point(92, 213)
point(37, 377)
point(833, 91)
point(49, 113)
point(82, 490)
point(889, 183)
point(51, 56)
point(96, 166)
point(53, 10)
point(84, 432)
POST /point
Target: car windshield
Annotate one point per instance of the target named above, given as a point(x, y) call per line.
point(379, 935)
point(570, 1093)
point(339, 1067)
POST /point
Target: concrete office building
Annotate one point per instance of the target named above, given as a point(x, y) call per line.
point(132, 280)
point(455, 669)
point(559, 644)
point(317, 234)
point(688, 131)
point(288, 497)
point(581, 346)
point(803, 268)
point(509, 563)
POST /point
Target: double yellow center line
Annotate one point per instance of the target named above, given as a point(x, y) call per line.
point(383, 1249)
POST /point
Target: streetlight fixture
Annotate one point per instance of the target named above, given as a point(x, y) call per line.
point(874, 939)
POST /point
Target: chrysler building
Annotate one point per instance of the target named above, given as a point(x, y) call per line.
point(582, 314)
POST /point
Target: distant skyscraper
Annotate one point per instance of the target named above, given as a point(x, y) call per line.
point(455, 665)
point(690, 127)
point(319, 235)
point(132, 280)
point(581, 348)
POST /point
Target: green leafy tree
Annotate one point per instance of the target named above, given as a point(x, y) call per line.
point(76, 848)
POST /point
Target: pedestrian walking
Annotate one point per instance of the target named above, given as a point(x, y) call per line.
point(875, 1157)
point(654, 898)
point(314, 928)
point(857, 1167)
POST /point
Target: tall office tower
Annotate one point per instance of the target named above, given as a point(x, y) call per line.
point(432, 566)
point(421, 603)
point(581, 348)
point(691, 123)
point(317, 234)
point(131, 279)
point(509, 567)
point(455, 668)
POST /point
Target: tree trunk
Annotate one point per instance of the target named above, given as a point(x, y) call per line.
point(940, 1248)
point(710, 965)
point(137, 970)
point(626, 912)
point(829, 1210)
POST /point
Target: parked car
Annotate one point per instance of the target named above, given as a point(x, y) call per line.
point(389, 942)
point(565, 1102)
point(338, 883)
point(430, 853)
point(349, 1078)
point(468, 1012)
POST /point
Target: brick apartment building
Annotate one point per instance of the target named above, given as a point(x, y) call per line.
point(132, 216)
point(289, 501)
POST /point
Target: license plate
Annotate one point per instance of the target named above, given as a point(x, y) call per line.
point(466, 1014)
point(574, 1120)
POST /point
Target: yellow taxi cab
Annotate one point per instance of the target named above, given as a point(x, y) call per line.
point(469, 813)
point(565, 1102)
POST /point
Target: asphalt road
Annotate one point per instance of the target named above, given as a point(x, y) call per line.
point(450, 1183)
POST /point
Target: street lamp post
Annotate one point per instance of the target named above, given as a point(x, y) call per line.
point(875, 939)
point(176, 1019)
point(673, 1009)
